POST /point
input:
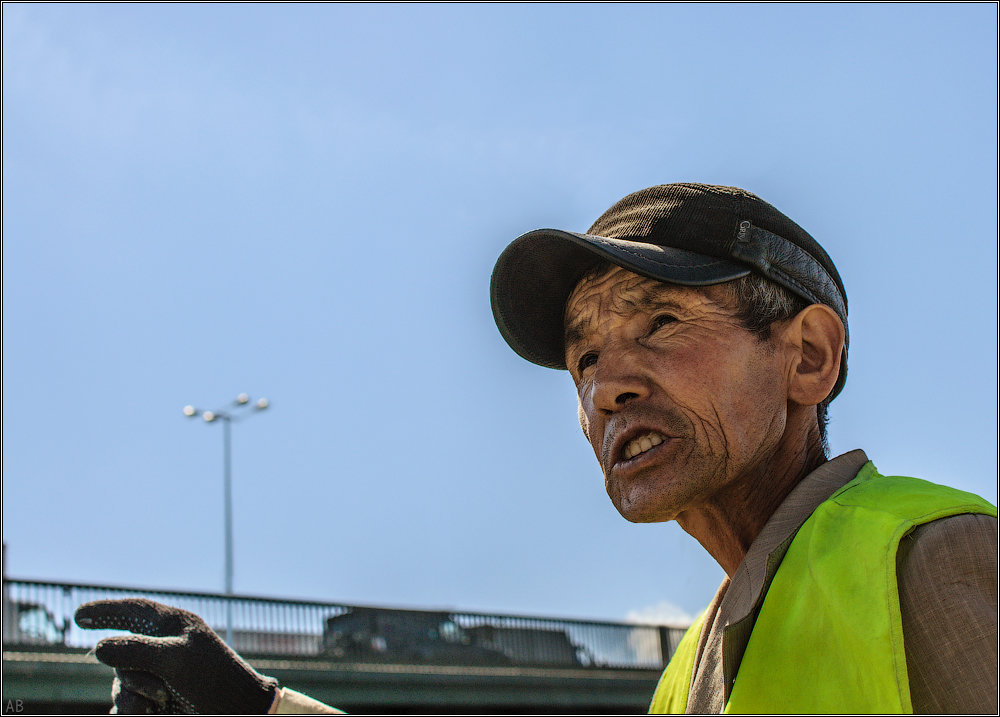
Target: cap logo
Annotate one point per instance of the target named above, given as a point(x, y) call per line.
point(743, 234)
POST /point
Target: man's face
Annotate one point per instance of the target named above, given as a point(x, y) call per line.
point(680, 403)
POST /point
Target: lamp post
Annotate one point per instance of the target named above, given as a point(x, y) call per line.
point(236, 411)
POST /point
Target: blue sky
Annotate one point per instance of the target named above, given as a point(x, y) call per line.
point(305, 203)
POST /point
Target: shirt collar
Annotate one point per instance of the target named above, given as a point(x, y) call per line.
point(773, 540)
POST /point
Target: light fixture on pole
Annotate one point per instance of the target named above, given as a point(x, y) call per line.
point(236, 411)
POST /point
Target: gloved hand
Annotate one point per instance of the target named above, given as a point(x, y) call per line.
point(175, 663)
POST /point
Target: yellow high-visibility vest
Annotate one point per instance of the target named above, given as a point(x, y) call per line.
point(829, 636)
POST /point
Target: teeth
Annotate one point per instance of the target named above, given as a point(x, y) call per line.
point(643, 444)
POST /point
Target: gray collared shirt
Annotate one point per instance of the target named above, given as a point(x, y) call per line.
point(947, 576)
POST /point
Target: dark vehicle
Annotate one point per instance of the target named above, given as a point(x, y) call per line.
point(380, 635)
point(387, 635)
point(533, 645)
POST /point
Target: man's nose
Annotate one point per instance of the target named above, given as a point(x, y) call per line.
point(617, 381)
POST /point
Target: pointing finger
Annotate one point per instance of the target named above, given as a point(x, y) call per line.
point(135, 614)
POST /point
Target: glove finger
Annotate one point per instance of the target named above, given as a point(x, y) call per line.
point(137, 652)
point(139, 615)
point(145, 684)
point(126, 702)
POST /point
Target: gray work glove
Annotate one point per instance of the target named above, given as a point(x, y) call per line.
point(175, 663)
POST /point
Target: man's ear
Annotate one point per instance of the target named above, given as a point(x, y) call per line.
point(817, 336)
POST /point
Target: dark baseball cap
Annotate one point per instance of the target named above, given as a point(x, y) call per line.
point(688, 234)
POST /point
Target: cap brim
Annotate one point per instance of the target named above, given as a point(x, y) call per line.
point(534, 276)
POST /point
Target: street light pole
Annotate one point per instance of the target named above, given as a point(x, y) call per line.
point(227, 417)
point(228, 481)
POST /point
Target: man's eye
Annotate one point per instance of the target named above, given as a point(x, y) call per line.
point(660, 321)
point(586, 361)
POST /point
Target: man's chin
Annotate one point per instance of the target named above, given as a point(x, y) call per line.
point(638, 511)
point(639, 501)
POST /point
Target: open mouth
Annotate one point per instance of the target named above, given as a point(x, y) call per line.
point(641, 444)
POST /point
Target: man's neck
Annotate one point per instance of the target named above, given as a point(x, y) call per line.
point(728, 524)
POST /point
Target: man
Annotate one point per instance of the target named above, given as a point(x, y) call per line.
point(706, 333)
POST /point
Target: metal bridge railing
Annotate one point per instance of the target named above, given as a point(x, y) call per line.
point(39, 615)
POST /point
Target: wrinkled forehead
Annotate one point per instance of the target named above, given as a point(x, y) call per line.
point(612, 289)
